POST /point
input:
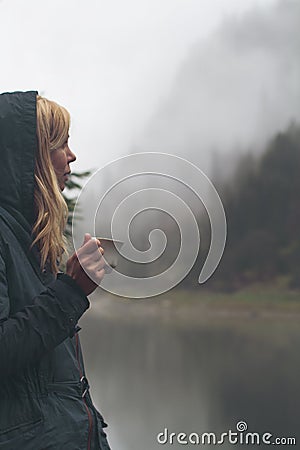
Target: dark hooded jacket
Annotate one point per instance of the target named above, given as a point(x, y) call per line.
point(44, 398)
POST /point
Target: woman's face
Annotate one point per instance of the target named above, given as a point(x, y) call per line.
point(61, 159)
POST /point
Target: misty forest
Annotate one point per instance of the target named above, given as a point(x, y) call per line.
point(262, 205)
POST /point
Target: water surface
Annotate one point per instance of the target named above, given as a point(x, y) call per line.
point(153, 365)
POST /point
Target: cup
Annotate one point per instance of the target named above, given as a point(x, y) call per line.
point(111, 254)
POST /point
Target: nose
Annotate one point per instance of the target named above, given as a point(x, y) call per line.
point(71, 156)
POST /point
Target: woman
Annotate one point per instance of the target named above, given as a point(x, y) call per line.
point(44, 395)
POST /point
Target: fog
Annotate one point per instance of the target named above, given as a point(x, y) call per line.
point(118, 67)
point(234, 90)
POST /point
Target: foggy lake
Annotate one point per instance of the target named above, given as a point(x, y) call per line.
point(152, 367)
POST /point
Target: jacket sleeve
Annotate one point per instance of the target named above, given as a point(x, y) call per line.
point(40, 326)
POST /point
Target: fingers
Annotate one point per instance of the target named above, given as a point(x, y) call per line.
point(108, 269)
point(88, 237)
point(99, 276)
point(89, 247)
point(87, 266)
point(94, 266)
point(88, 258)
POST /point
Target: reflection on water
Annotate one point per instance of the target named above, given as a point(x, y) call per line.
point(149, 372)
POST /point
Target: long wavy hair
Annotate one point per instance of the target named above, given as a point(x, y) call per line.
point(51, 211)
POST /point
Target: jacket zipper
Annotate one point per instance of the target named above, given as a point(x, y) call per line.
point(84, 400)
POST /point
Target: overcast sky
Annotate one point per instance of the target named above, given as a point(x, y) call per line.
point(113, 63)
point(234, 90)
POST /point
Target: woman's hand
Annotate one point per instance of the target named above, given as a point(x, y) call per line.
point(86, 266)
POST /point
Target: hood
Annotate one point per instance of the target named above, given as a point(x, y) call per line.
point(18, 146)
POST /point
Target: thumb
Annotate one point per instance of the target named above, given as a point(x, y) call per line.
point(87, 237)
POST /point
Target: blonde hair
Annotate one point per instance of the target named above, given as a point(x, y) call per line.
point(51, 211)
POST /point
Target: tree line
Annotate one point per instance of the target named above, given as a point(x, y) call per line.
point(262, 205)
